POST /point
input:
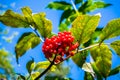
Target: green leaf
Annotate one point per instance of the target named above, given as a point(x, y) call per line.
point(96, 70)
point(116, 46)
point(78, 1)
point(88, 76)
point(79, 58)
point(59, 5)
point(65, 14)
point(114, 71)
point(56, 77)
point(13, 19)
point(84, 6)
point(83, 27)
point(21, 77)
point(64, 26)
point(96, 5)
point(102, 57)
point(44, 65)
point(112, 29)
point(89, 6)
point(27, 41)
point(43, 25)
point(101, 4)
point(34, 75)
point(30, 65)
point(27, 14)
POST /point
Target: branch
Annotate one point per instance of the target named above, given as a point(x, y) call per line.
point(35, 30)
point(51, 64)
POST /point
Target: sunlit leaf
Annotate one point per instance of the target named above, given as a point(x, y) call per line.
point(79, 58)
point(44, 65)
point(34, 75)
point(87, 67)
point(112, 29)
point(83, 27)
point(26, 42)
point(27, 14)
point(30, 65)
point(43, 25)
point(116, 46)
point(13, 19)
point(114, 71)
point(102, 57)
point(62, 5)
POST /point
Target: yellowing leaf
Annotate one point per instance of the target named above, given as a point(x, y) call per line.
point(26, 42)
point(83, 27)
point(44, 65)
point(13, 19)
point(43, 25)
point(34, 75)
point(112, 29)
point(116, 46)
point(102, 57)
point(27, 14)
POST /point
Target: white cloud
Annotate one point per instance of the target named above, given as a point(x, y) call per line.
point(13, 4)
point(10, 38)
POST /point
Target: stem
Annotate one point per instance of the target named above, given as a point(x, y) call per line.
point(88, 47)
point(35, 30)
point(91, 47)
point(51, 64)
point(74, 6)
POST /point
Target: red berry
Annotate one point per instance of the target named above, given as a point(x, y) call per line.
point(60, 45)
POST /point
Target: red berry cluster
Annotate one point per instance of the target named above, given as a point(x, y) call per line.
point(61, 45)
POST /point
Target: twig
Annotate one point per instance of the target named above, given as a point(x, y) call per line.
point(91, 47)
point(84, 50)
point(51, 64)
point(35, 30)
point(74, 6)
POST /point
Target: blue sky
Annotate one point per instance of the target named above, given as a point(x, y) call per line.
point(108, 14)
